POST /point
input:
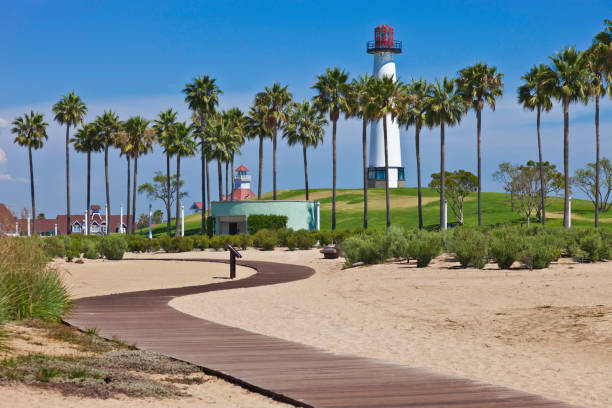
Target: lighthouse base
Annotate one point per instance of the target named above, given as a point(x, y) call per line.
point(376, 177)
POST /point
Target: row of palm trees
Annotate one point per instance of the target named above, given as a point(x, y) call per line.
point(572, 76)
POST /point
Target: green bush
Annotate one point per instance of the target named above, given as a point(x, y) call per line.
point(506, 247)
point(201, 241)
point(210, 226)
point(424, 246)
point(367, 248)
point(398, 242)
point(304, 239)
point(537, 255)
point(257, 222)
point(324, 237)
point(136, 243)
point(112, 247)
point(260, 236)
point(244, 241)
point(182, 244)
point(54, 247)
point(590, 245)
point(219, 242)
point(292, 242)
point(281, 236)
point(268, 244)
point(165, 243)
point(92, 253)
point(28, 287)
point(471, 248)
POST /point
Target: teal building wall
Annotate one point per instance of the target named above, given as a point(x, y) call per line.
point(300, 214)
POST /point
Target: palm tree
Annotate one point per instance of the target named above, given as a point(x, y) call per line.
point(571, 85)
point(361, 105)
point(535, 94)
point(237, 122)
point(202, 96)
point(255, 128)
point(184, 145)
point(387, 93)
point(69, 111)
point(86, 140)
point(305, 127)
point(413, 112)
point(445, 107)
point(221, 145)
point(124, 144)
point(163, 128)
point(331, 88)
point(479, 84)
point(277, 101)
point(600, 65)
point(31, 132)
point(108, 126)
point(141, 140)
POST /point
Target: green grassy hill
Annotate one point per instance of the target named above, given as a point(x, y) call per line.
point(349, 207)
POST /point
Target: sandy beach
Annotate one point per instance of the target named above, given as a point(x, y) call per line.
point(546, 332)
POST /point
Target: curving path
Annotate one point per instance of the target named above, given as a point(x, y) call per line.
point(287, 371)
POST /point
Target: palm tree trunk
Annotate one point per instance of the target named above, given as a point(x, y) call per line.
point(442, 179)
point(274, 164)
point(220, 173)
point(365, 173)
point(68, 178)
point(178, 195)
point(88, 183)
point(226, 180)
point(566, 210)
point(417, 143)
point(107, 188)
point(305, 169)
point(128, 201)
point(334, 176)
point(386, 171)
point(133, 220)
point(478, 125)
point(597, 160)
point(203, 227)
point(168, 209)
point(260, 167)
point(208, 184)
point(32, 191)
point(232, 184)
point(542, 191)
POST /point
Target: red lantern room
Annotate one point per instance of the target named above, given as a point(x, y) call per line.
point(384, 41)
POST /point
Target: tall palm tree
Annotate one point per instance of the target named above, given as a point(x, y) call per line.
point(237, 122)
point(141, 140)
point(108, 126)
point(599, 63)
point(535, 93)
point(31, 132)
point(183, 145)
point(202, 96)
point(387, 93)
point(70, 111)
point(255, 128)
point(124, 144)
point(570, 67)
point(163, 128)
point(480, 84)
point(331, 88)
point(305, 127)
point(277, 101)
point(361, 104)
point(221, 145)
point(86, 140)
point(445, 107)
point(413, 112)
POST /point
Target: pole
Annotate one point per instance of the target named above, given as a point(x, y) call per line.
point(28, 224)
point(121, 218)
point(569, 220)
point(86, 222)
point(107, 220)
point(232, 265)
point(150, 220)
point(55, 230)
point(445, 214)
point(16, 228)
point(182, 220)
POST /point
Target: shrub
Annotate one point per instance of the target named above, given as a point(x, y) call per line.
point(424, 246)
point(71, 254)
point(281, 236)
point(136, 243)
point(92, 253)
point(244, 241)
point(366, 248)
point(54, 247)
point(537, 255)
point(28, 287)
point(203, 242)
point(506, 247)
point(257, 222)
point(324, 238)
point(292, 242)
point(268, 244)
point(182, 244)
point(165, 243)
point(304, 239)
point(112, 247)
point(216, 243)
point(471, 248)
point(398, 242)
point(210, 226)
point(260, 236)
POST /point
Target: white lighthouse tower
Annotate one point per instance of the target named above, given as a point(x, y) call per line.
point(384, 48)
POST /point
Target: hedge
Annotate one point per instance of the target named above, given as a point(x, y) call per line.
point(258, 222)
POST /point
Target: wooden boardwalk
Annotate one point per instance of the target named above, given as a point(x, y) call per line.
point(287, 371)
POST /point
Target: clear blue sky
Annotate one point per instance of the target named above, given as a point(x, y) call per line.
point(135, 57)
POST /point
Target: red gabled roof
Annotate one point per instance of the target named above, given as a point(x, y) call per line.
point(242, 168)
point(197, 204)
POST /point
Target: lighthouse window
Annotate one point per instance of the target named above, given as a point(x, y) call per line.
point(400, 173)
point(380, 174)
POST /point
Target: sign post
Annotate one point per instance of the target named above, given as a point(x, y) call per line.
point(233, 255)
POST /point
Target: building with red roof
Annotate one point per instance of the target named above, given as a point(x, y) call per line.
point(242, 186)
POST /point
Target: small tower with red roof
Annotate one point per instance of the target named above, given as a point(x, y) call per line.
point(242, 185)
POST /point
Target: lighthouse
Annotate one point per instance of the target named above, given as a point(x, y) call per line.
point(384, 47)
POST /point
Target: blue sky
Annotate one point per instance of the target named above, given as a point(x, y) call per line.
point(135, 57)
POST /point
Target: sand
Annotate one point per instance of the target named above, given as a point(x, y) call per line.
point(98, 277)
point(546, 332)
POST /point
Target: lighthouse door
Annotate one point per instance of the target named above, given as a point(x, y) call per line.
point(233, 228)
